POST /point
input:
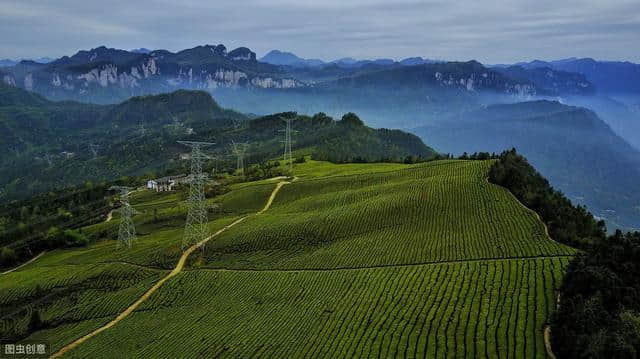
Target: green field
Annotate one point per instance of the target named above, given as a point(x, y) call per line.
point(375, 260)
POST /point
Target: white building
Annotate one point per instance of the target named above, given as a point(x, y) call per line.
point(165, 184)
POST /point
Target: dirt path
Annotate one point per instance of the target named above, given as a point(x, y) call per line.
point(547, 334)
point(547, 342)
point(109, 216)
point(272, 197)
point(174, 272)
point(24, 264)
point(547, 329)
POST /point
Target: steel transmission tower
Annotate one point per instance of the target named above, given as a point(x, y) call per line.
point(195, 229)
point(94, 149)
point(239, 150)
point(287, 143)
point(127, 230)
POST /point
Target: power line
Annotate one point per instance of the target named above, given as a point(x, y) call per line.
point(195, 229)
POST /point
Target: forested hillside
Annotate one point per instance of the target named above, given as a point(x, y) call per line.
point(49, 145)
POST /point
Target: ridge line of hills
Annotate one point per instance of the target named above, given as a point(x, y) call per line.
point(51, 140)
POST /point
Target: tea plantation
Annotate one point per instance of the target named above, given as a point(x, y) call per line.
point(355, 260)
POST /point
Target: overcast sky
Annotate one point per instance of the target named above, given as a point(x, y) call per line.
point(488, 31)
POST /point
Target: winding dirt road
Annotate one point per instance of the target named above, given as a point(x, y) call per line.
point(174, 272)
point(24, 264)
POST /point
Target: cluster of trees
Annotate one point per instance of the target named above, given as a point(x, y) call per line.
point(599, 309)
point(8, 257)
point(266, 169)
point(480, 156)
point(566, 223)
point(52, 239)
point(598, 314)
point(349, 140)
point(46, 221)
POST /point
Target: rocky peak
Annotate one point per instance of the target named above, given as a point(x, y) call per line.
point(242, 53)
point(220, 50)
point(100, 54)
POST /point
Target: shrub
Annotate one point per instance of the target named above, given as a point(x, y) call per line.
point(56, 238)
point(7, 257)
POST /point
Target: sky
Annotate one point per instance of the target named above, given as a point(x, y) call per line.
point(489, 31)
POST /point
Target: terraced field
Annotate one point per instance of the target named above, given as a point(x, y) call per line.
point(78, 290)
point(425, 260)
point(472, 309)
point(433, 213)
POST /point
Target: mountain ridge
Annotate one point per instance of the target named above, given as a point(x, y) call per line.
point(608, 76)
point(109, 75)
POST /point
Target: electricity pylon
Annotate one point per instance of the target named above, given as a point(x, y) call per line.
point(127, 230)
point(287, 143)
point(49, 159)
point(94, 149)
point(195, 229)
point(239, 150)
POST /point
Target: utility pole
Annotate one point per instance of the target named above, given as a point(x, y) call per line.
point(239, 149)
point(287, 143)
point(127, 230)
point(195, 229)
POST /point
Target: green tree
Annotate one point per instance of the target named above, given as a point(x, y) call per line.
point(3, 224)
point(351, 119)
point(35, 322)
point(7, 257)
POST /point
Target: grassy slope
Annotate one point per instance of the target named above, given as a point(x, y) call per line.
point(372, 243)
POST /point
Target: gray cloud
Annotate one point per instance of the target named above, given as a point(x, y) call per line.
point(489, 31)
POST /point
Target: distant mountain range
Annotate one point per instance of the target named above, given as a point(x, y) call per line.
point(9, 62)
point(551, 82)
point(85, 75)
point(466, 76)
point(277, 57)
point(566, 76)
point(612, 77)
point(105, 75)
point(141, 50)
